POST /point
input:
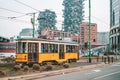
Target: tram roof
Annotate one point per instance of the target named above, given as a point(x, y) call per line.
point(39, 39)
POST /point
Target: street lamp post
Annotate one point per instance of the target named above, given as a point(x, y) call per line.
point(33, 23)
point(117, 44)
point(90, 60)
point(119, 39)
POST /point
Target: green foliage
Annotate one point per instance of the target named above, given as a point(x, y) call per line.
point(2, 73)
point(49, 67)
point(36, 67)
point(109, 53)
point(26, 68)
point(46, 19)
point(73, 15)
point(17, 67)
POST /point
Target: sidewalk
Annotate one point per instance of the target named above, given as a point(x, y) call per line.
point(83, 66)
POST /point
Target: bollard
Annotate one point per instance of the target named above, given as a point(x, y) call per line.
point(112, 59)
point(97, 59)
point(105, 60)
point(108, 59)
point(102, 58)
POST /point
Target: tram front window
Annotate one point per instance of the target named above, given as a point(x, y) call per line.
point(21, 47)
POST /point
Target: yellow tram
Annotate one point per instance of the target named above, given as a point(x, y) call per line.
point(29, 51)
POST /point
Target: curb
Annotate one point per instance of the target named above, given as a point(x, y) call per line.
point(57, 72)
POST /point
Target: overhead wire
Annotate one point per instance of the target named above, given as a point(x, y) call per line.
point(25, 5)
point(11, 10)
point(20, 16)
point(98, 20)
point(14, 17)
point(31, 7)
point(9, 18)
point(24, 14)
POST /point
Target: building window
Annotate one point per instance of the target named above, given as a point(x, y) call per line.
point(94, 40)
point(113, 18)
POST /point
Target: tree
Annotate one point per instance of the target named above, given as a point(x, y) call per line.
point(46, 19)
point(73, 15)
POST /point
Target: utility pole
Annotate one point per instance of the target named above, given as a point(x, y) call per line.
point(119, 32)
point(61, 33)
point(90, 60)
point(33, 23)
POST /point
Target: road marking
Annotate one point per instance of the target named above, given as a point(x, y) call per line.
point(106, 75)
point(116, 65)
point(97, 70)
point(94, 71)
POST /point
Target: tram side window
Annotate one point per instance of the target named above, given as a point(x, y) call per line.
point(73, 48)
point(46, 47)
point(76, 48)
point(70, 48)
point(53, 48)
point(42, 47)
point(56, 48)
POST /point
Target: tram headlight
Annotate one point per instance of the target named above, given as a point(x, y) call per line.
point(25, 57)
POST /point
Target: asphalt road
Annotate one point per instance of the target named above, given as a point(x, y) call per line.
point(106, 73)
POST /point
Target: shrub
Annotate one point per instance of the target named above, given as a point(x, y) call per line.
point(26, 68)
point(49, 67)
point(36, 67)
point(49, 63)
point(17, 67)
point(66, 65)
point(2, 73)
point(109, 53)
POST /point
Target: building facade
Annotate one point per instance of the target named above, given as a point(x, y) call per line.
point(103, 38)
point(58, 35)
point(115, 25)
point(84, 33)
point(26, 32)
point(73, 14)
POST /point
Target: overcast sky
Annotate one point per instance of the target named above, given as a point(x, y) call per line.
point(11, 27)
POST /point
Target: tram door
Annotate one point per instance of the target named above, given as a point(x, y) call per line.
point(61, 51)
point(33, 52)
